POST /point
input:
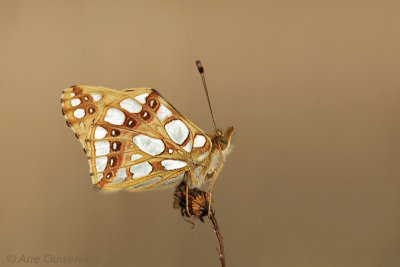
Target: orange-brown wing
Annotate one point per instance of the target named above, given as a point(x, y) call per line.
point(134, 138)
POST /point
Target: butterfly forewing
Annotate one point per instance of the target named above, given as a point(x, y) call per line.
point(134, 139)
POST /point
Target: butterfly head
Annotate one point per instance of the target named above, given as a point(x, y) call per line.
point(222, 140)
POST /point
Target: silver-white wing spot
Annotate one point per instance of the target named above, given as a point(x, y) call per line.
point(102, 148)
point(101, 163)
point(171, 164)
point(72, 95)
point(199, 141)
point(115, 116)
point(130, 105)
point(135, 157)
point(142, 98)
point(188, 147)
point(120, 176)
point(141, 169)
point(75, 102)
point(170, 151)
point(79, 113)
point(163, 112)
point(177, 130)
point(100, 132)
point(96, 97)
point(151, 146)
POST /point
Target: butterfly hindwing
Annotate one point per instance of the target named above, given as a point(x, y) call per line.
point(134, 138)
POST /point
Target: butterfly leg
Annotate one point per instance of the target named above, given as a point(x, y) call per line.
point(187, 195)
point(210, 190)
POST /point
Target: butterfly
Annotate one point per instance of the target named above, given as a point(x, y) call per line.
point(136, 140)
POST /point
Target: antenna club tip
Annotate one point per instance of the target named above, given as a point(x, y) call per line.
point(199, 66)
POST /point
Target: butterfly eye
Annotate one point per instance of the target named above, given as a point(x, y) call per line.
point(221, 142)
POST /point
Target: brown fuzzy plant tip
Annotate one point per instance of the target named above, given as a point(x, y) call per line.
point(198, 208)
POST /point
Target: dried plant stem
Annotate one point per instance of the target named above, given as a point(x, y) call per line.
point(197, 208)
point(221, 251)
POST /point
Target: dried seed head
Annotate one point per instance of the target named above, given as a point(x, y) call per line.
point(198, 202)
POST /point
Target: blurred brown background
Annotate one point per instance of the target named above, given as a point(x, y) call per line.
point(312, 89)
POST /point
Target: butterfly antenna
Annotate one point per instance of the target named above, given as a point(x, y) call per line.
point(201, 70)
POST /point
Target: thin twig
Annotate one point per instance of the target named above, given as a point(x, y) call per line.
point(221, 251)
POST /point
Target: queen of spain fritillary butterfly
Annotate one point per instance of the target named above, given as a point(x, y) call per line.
point(136, 140)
